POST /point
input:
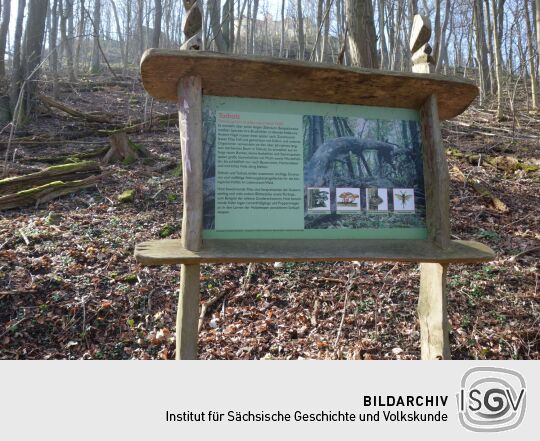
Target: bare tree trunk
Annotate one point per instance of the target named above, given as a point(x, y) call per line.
point(214, 11)
point(238, 40)
point(168, 8)
point(490, 47)
point(6, 15)
point(362, 38)
point(382, 36)
point(66, 33)
point(282, 36)
point(48, 26)
point(470, 57)
point(390, 26)
point(500, 19)
point(458, 44)
point(230, 4)
point(414, 8)
point(268, 43)
point(442, 39)
point(320, 5)
point(118, 30)
point(481, 48)
point(537, 3)
point(226, 23)
point(158, 13)
point(70, 33)
point(17, 70)
point(437, 39)
point(395, 55)
point(31, 55)
point(147, 27)
point(53, 38)
point(342, 43)
point(96, 29)
point(522, 61)
point(253, 27)
point(140, 13)
point(300, 23)
point(80, 38)
point(248, 27)
point(326, 31)
point(128, 35)
point(532, 68)
point(495, 5)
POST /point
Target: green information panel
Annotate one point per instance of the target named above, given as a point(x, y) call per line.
point(298, 170)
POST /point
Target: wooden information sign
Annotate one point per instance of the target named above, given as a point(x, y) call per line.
point(290, 161)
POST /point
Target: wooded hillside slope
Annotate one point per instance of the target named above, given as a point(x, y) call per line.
point(90, 167)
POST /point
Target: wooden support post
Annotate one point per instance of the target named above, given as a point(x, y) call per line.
point(436, 179)
point(190, 118)
point(189, 93)
point(187, 316)
point(432, 312)
point(432, 303)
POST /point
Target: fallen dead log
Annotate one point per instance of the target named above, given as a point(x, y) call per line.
point(170, 165)
point(64, 138)
point(64, 172)
point(507, 164)
point(481, 189)
point(493, 131)
point(63, 159)
point(92, 86)
point(510, 164)
point(44, 193)
point(206, 306)
point(51, 141)
point(140, 124)
point(17, 292)
point(98, 117)
point(524, 253)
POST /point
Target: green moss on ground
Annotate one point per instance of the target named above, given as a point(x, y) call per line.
point(127, 196)
point(167, 230)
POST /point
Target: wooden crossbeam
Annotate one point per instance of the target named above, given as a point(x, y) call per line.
point(171, 251)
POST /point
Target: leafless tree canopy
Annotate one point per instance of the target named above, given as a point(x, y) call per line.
point(494, 42)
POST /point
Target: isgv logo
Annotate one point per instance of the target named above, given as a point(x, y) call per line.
point(491, 399)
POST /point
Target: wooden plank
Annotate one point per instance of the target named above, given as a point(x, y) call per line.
point(274, 78)
point(432, 312)
point(187, 316)
point(436, 178)
point(169, 252)
point(190, 121)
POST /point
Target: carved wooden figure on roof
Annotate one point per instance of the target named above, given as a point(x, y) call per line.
point(192, 26)
point(422, 60)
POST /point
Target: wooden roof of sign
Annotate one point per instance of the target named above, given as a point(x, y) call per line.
point(281, 79)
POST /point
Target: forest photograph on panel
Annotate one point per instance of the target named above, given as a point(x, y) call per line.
point(365, 166)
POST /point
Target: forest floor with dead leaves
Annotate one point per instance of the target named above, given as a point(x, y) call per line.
point(71, 289)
